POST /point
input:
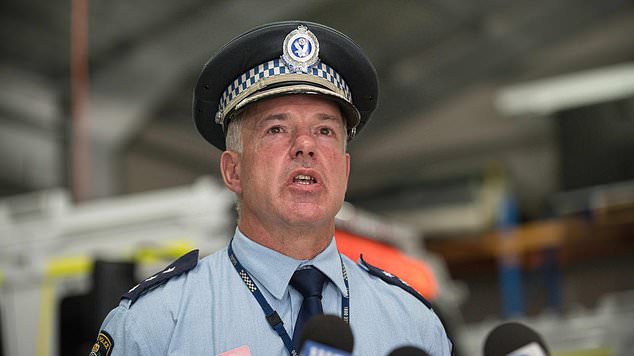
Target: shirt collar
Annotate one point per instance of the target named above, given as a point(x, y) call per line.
point(257, 260)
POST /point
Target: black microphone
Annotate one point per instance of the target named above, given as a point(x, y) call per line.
point(408, 351)
point(514, 339)
point(327, 332)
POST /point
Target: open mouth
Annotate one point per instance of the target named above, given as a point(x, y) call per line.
point(304, 179)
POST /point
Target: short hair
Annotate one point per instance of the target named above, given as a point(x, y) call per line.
point(234, 132)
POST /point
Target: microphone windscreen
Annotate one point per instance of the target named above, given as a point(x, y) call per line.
point(328, 330)
point(509, 337)
point(408, 351)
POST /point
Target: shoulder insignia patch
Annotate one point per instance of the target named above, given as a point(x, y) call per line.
point(393, 280)
point(103, 346)
point(180, 266)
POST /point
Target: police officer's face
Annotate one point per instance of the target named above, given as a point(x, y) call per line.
point(293, 168)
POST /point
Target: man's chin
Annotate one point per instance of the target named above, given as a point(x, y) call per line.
point(309, 216)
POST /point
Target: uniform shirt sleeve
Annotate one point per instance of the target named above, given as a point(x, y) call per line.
point(128, 337)
point(386, 305)
point(434, 338)
point(443, 346)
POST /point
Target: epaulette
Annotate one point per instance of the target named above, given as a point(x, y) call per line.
point(180, 266)
point(393, 280)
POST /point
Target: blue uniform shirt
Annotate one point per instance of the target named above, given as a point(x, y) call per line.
point(209, 310)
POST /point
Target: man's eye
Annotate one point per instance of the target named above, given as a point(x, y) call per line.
point(275, 130)
point(325, 131)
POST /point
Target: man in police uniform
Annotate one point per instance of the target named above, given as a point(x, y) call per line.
point(281, 101)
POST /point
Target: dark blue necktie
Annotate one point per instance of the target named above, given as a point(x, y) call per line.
point(309, 282)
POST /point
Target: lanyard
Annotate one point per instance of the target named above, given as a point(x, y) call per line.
point(271, 315)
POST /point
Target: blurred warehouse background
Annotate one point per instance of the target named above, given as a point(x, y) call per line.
point(502, 151)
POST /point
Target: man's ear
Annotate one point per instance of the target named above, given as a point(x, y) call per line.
point(230, 169)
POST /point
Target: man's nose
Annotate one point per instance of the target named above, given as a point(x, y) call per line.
point(304, 146)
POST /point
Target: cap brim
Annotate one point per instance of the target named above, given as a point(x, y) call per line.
point(350, 113)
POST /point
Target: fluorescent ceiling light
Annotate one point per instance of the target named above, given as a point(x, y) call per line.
point(546, 96)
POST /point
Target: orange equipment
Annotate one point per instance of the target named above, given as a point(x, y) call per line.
point(413, 272)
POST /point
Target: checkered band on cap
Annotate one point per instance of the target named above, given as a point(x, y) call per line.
point(272, 72)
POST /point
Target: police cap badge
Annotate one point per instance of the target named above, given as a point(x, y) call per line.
point(283, 58)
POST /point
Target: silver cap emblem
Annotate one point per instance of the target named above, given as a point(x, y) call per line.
point(301, 50)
